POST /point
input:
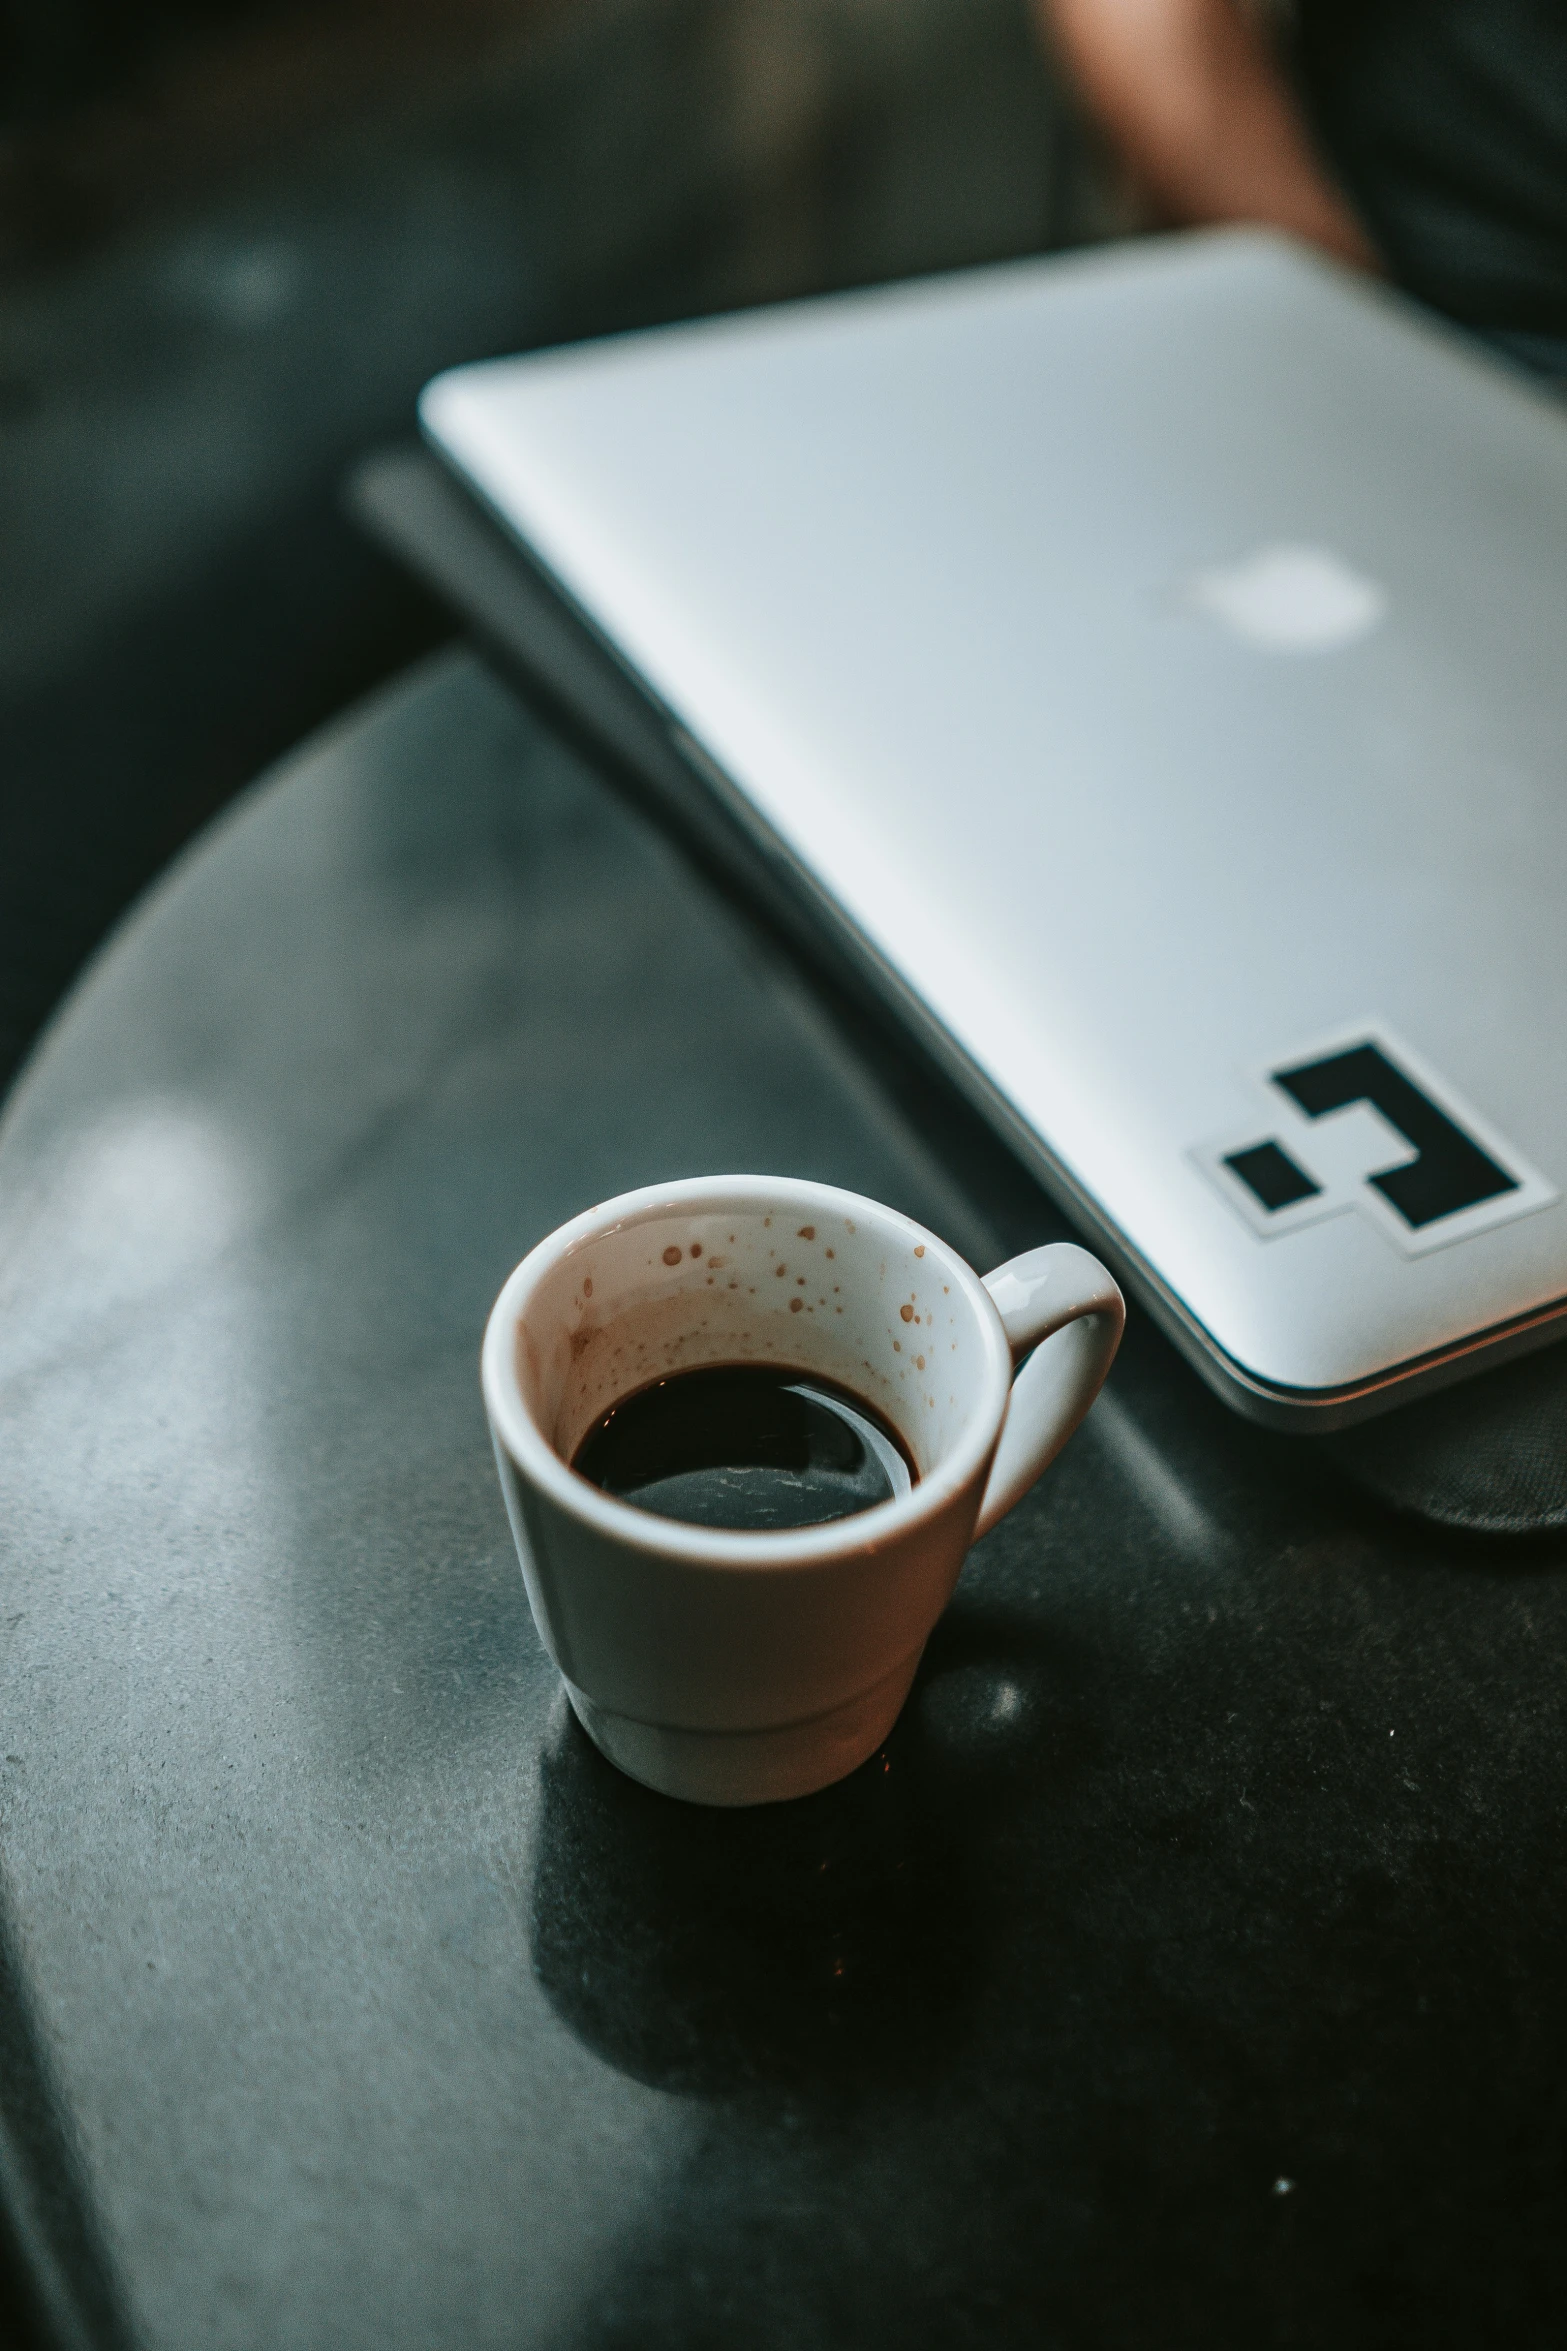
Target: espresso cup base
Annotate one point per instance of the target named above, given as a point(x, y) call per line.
point(737, 1768)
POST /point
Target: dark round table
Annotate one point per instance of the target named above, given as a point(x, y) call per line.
point(1188, 1969)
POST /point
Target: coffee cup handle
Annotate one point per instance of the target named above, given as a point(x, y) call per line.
point(1061, 1309)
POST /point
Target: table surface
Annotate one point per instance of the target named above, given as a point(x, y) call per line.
point(1186, 1971)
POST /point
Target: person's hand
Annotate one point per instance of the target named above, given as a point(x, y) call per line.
point(1192, 100)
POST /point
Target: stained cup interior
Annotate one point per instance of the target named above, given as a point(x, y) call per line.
point(815, 1281)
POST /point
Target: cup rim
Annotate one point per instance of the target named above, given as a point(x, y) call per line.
point(884, 1523)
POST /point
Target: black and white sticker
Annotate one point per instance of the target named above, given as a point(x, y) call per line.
point(1359, 1122)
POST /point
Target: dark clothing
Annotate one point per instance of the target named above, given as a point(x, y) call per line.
point(1446, 121)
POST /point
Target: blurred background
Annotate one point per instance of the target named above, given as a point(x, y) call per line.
point(236, 236)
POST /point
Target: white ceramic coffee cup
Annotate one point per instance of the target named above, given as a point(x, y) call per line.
point(737, 1667)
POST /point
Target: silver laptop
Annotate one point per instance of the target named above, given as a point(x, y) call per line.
point(1157, 662)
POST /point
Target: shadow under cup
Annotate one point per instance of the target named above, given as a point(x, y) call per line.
point(723, 1665)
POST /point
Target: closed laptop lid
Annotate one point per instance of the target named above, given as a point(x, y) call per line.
point(1158, 659)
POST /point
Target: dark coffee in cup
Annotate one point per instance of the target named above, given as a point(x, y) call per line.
point(746, 1445)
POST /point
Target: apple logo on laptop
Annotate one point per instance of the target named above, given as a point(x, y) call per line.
point(1289, 599)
